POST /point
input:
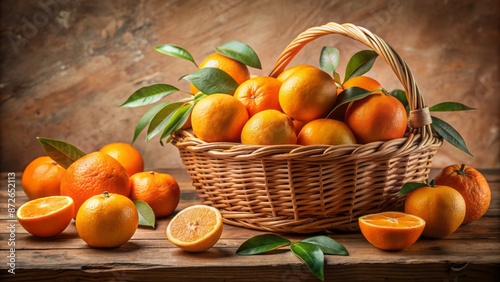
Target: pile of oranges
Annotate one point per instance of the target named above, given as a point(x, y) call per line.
point(97, 190)
point(297, 107)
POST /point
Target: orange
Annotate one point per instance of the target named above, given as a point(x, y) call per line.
point(159, 190)
point(472, 186)
point(269, 127)
point(378, 117)
point(107, 220)
point(218, 118)
point(259, 93)
point(127, 155)
point(308, 93)
point(196, 228)
point(442, 208)
point(285, 74)
point(391, 231)
point(238, 71)
point(46, 216)
point(93, 174)
point(364, 82)
point(42, 178)
point(325, 132)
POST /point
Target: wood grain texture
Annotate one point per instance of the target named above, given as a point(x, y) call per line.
point(67, 65)
point(470, 254)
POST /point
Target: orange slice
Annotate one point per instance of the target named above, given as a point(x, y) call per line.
point(391, 231)
point(196, 228)
point(47, 216)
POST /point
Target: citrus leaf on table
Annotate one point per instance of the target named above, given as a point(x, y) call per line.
point(327, 245)
point(410, 186)
point(175, 51)
point(146, 119)
point(146, 214)
point(60, 151)
point(329, 59)
point(240, 52)
point(262, 243)
point(212, 80)
point(450, 107)
point(149, 94)
point(449, 134)
point(161, 118)
point(312, 255)
point(360, 63)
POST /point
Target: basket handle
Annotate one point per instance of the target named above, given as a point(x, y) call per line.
point(419, 118)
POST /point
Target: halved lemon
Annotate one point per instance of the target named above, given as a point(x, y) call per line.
point(196, 228)
point(391, 231)
point(47, 216)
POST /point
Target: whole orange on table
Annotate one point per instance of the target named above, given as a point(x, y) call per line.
point(442, 208)
point(127, 155)
point(159, 190)
point(219, 118)
point(46, 216)
point(93, 174)
point(237, 70)
point(107, 220)
point(391, 231)
point(42, 178)
point(472, 186)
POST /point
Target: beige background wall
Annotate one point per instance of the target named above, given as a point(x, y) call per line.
point(67, 65)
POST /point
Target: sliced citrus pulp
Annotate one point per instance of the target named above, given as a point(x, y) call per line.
point(196, 228)
point(391, 231)
point(47, 216)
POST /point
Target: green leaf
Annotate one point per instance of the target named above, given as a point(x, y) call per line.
point(179, 117)
point(146, 214)
point(212, 80)
point(350, 94)
point(450, 107)
point(329, 59)
point(410, 186)
point(360, 63)
point(312, 256)
point(161, 119)
point(60, 151)
point(262, 243)
point(240, 52)
point(449, 134)
point(401, 96)
point(146, 119)
point(175, 51)
point(327, 245)
point(149, 95)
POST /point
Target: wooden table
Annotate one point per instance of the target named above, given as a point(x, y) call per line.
point(470, 254)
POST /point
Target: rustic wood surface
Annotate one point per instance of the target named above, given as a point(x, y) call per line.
point(67, 65)
point(470, 254)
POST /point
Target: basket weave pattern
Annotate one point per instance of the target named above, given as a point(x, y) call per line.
point(307, 189)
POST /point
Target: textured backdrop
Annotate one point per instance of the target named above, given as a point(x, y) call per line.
point(67, 65)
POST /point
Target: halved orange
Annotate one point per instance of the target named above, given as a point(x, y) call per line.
point(47, 216)
point(391, 231)
point(196, 228)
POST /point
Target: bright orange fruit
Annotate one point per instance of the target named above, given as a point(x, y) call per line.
point(196, 228)
point(269, 127)
point(391, 231)
point(259, 93)
point(127, 155)
point(46, 216)
point(325, 132)
point(42, 178)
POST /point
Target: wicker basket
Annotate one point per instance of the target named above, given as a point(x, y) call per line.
point(307, 189)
